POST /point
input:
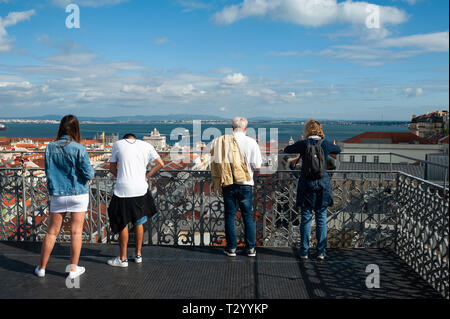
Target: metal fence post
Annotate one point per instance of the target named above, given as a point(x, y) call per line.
point(390, 160)
point(396, 211)
point(24, 205)
point(99, 213)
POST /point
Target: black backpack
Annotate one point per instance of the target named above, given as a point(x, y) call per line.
point(314, 161)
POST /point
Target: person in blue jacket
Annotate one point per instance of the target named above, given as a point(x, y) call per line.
point(68, 171)
point(313, 195)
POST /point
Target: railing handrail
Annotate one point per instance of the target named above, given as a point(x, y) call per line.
point(443, 187)
point(279, 154)
point(423, 180)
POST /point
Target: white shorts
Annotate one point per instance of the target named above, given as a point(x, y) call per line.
point(72, 203)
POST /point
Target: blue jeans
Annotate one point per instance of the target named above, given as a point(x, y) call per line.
point(141, 221)
point(321, 230)
point(243, 196)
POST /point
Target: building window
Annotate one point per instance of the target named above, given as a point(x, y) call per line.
point(352, 158)
point(376, 159)
point(364, 159)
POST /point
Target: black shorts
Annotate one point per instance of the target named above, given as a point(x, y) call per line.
point(125, 210)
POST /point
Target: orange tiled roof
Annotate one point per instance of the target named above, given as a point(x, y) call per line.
point(394, 137)
point(26, 145)
point(88, 141)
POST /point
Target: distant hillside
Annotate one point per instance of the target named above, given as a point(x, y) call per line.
point(191, 117)
point(135, 118)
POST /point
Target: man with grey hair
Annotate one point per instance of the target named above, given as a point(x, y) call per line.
point(239, 123)
point(237, 189)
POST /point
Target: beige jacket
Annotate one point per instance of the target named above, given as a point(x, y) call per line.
point(228, 164)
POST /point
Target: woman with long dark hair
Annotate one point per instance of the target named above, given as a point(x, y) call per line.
point(314, 191)
point(68, 170)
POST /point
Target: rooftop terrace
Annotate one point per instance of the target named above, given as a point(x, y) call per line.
point(206, 273)
point(391, 219)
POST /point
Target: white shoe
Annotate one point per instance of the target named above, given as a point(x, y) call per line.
point(321, 257)
point(39, 272)
point(138, 259)
point(231, 252)
point(116, 262)
point(78, 272)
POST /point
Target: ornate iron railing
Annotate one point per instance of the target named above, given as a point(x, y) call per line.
point(372, 209)
point(422, 233)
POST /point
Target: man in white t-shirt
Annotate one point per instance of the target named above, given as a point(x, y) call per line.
point(242, 192)
point(132, 201)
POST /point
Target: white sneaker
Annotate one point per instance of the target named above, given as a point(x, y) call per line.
point(116, 262)
point(39, 272)
point(251, 252)
point(231, 252)
point(78, 272)
point(138, 259)
point(321, 257)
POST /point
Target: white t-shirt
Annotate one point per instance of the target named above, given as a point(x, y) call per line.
point(252, 154)
point(132, 156)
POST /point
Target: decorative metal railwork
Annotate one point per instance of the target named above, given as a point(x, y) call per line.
point(372, 209)
point(189, 212)
point(24, 208)
point(24, 203)
point(422, 215)
point(361, 216)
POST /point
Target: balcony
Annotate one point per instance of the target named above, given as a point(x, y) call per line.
point(390, 219)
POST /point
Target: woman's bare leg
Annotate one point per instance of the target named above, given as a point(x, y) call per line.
point(123, 243)
point(55, 223)
point(139, 238)
point(76, 232)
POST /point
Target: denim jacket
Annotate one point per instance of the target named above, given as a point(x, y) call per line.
point(67, 174)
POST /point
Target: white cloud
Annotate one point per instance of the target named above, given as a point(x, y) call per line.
point(235, 79)
point(92, 85)
point(289, 97)
point(312, 13)
point(410, 2)
point(430, 42)
point(410, 92)
point(381, 51)
point(223, 70)
point(23, 85)
point(72, 59)
point(160, 41)
point(88, 3)
point(11, 19)
point(289, 53)
point(173, 89)
point(192, 5)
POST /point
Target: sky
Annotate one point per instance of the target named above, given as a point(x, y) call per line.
point(325, 59)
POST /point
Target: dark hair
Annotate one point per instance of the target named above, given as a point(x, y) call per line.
point(69, 126)
point(128, 135)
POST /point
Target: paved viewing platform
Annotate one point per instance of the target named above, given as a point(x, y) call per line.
point(389, 221)
point(180, 272)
